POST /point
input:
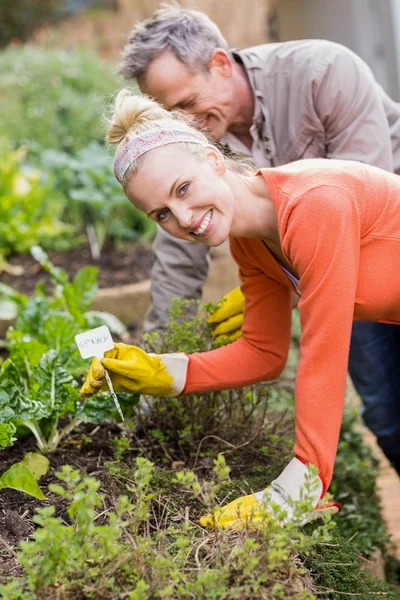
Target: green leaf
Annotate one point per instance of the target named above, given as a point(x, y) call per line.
point(101, 406)
point(97, 318)
point(11, 295)
point(85, 287)
point(59, 330)
point(19, 477)
point(7, 431)
point(23, 406)
point(52, 385)
point(6, 412)
point(31, 318)
point(25, 353)
point(59, 276)
point(37, 464)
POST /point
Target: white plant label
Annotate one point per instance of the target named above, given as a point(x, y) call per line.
point(94, 343)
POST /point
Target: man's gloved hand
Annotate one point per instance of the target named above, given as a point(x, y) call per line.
point(133, 370)
point(228, 318)
point(255, 509)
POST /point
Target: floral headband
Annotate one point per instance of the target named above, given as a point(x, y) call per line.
point(154, 138)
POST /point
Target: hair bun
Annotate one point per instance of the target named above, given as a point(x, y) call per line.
point(133, 114)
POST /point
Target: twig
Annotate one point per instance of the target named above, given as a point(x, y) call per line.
point(102, 513)
point(196, 556)
point(7, 546)
point(352, 537)
point(329, 591)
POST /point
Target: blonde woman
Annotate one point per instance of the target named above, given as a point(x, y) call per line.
point(327, 230)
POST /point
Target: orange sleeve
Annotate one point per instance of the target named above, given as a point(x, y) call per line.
point(261, 354)
point(322, 241)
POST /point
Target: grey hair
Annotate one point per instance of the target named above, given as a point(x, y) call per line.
point(189, 34)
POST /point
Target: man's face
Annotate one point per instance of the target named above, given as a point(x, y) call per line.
point(208, 95)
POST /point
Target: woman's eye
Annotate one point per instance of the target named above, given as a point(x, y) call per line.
point(162, 215)
point(182, 190)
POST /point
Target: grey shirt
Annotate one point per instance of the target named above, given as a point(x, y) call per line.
point(313, 99)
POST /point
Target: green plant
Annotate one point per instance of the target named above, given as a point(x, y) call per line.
point(30, 210)
point(19, 477)
point(38, 384)
point(125, 558)
point(195, 427)
point(95, 198)
point(121, 445)
point(54, 98)
point(354, 486)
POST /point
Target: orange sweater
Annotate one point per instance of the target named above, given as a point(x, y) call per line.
point(339, 226)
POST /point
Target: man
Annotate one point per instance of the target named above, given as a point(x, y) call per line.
point(278, 102)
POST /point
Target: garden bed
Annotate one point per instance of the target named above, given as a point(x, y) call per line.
point(124, 523)
point(115, 266)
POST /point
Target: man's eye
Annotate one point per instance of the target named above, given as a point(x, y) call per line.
point(182, 190)
point(162, 215)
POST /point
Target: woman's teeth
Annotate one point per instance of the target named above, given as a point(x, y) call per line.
point(204, 224)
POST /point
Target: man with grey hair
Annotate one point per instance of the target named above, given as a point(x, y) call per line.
point(278, 102)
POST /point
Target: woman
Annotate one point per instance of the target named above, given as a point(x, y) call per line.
point(327, 230)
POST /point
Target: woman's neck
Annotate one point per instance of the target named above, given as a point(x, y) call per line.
point(255, 215)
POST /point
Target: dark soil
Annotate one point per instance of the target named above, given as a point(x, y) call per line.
point(87, 449)
point(116, 266)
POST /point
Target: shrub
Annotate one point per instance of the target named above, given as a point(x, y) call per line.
point(54, 98)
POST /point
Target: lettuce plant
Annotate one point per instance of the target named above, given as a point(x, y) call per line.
point(38, 381)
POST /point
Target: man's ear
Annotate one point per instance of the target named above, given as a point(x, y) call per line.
point(216, 159)
point(221, 61)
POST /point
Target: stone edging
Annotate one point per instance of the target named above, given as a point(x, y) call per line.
point(130, 302)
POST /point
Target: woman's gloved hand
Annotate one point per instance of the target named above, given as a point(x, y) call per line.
point(132, 370)
point(228, 317)
point(255, 509)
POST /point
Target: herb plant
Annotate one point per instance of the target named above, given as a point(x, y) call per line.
point(38, 381)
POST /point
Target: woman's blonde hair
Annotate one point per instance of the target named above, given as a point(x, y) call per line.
point(136, 113)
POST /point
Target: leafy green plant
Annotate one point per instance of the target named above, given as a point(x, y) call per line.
point(23, 476)
point(95, 198)
point(30, 210)
point(38, 381)
point(54, 98)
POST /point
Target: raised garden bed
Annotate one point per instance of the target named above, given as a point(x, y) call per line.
point(87, 543)
point(115, 267)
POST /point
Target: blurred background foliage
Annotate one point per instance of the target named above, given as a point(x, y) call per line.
point(57, 188)
point(20, 18)
point(54, 98)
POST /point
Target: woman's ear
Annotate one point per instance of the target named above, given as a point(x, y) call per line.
point(216, 159)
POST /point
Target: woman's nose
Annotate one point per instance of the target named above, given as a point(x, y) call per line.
point(184, 216)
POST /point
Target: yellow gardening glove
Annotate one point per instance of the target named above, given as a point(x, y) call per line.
point(133, 370)
point(228, 317)
point(257, 509)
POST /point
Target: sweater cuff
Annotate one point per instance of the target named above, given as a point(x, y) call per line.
point(290, 482)
point(177, 366)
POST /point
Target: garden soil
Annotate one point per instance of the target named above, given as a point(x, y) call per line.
point(116, 266)
point(88, 449)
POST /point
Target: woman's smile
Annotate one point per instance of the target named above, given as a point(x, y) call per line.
point(203, 225)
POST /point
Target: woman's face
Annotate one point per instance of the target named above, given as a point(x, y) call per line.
point(186, 195)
